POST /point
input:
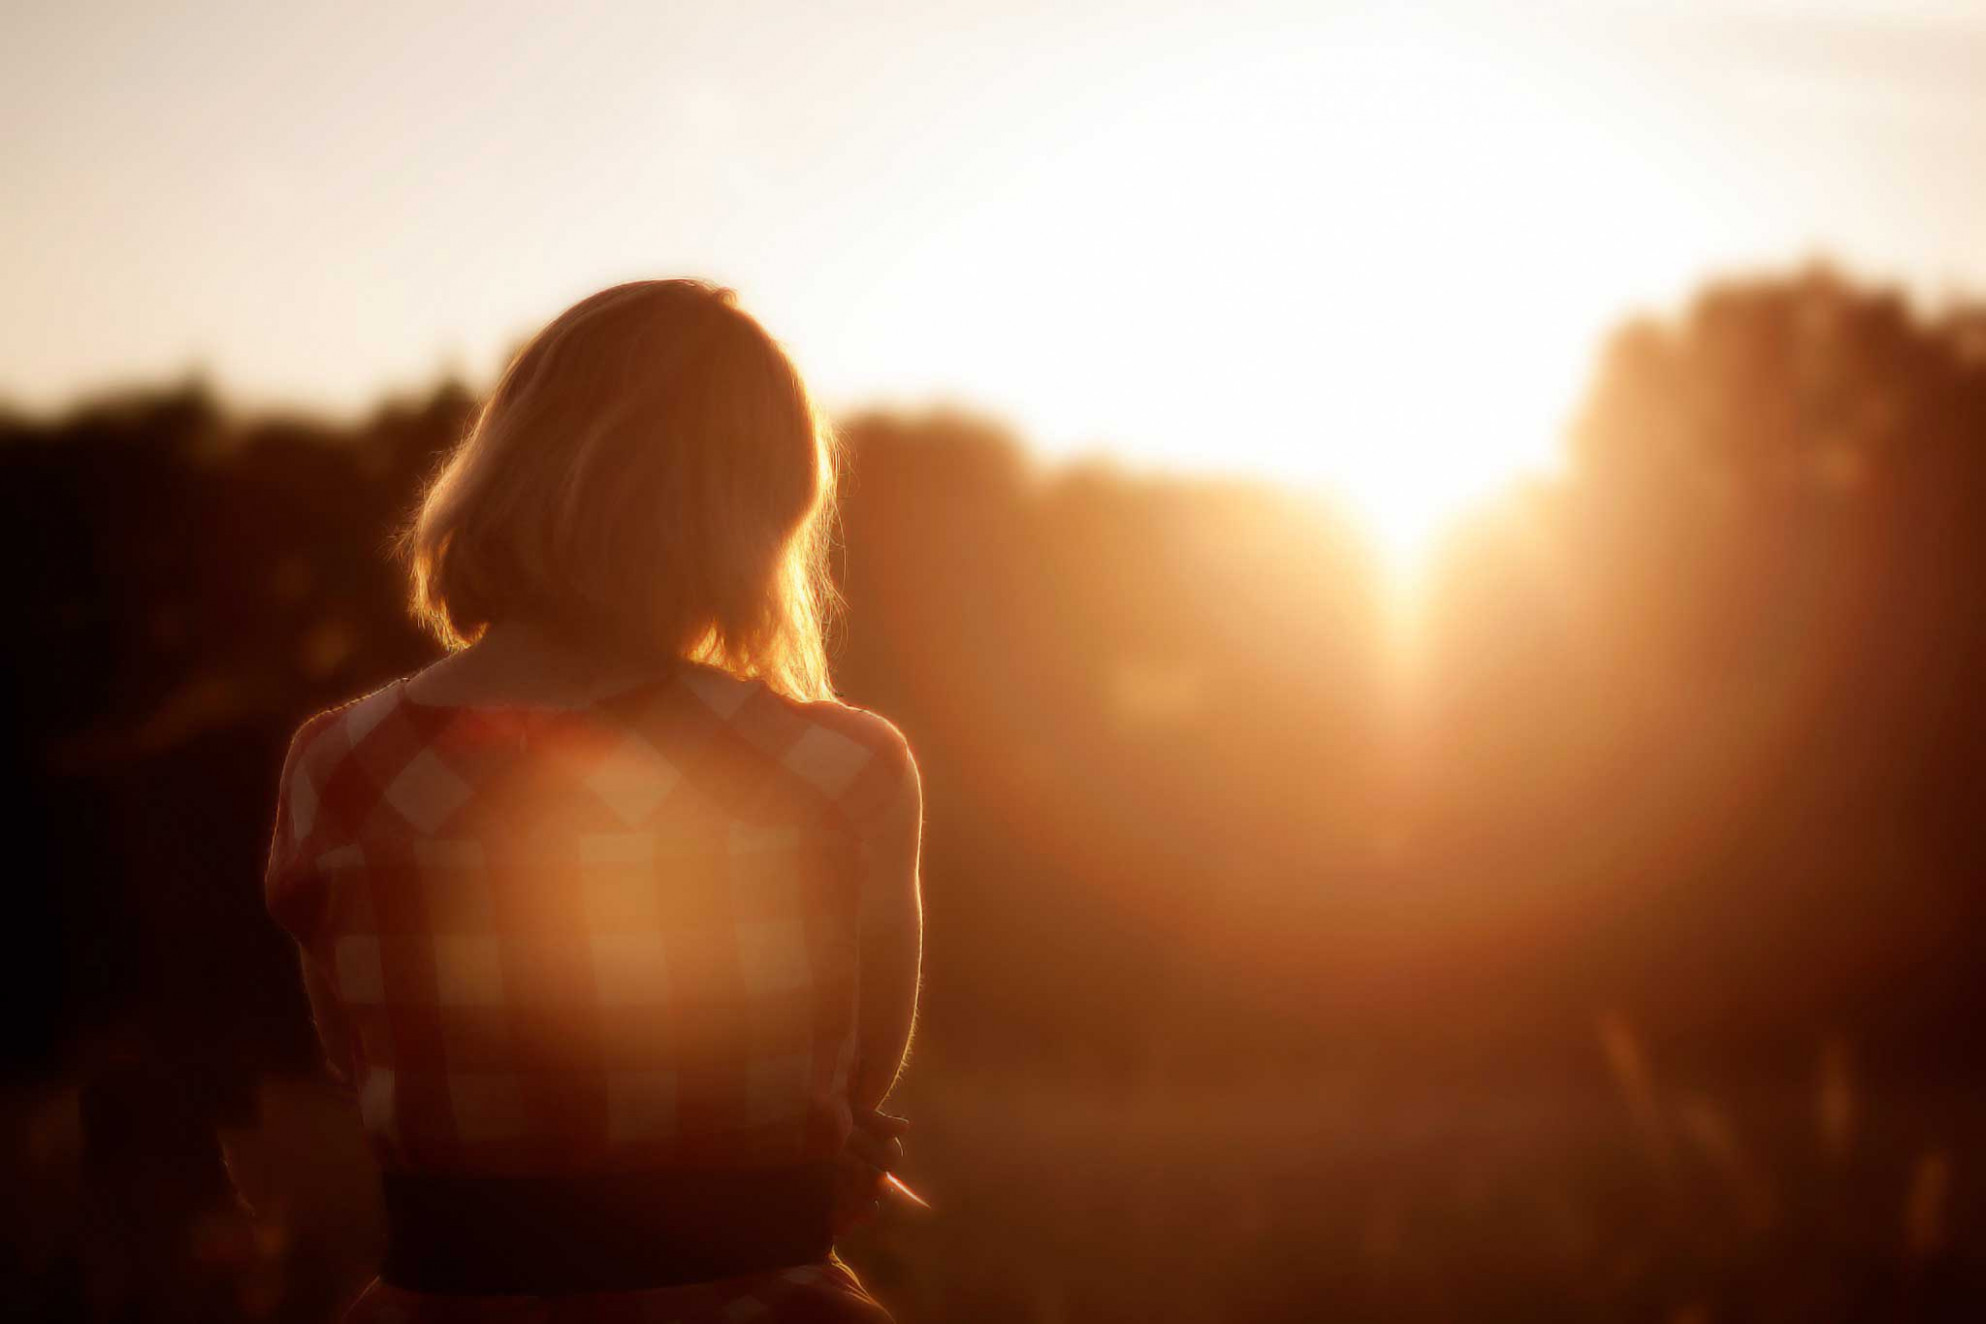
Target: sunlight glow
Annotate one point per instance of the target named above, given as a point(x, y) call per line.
point(1367, 261)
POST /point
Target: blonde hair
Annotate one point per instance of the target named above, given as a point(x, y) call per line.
point(649, 478)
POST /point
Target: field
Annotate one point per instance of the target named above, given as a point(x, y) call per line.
point(1609, 1194)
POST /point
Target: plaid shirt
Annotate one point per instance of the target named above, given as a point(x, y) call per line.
point(616, 937)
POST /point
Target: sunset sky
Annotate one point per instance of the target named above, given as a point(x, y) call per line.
point(1314, 242)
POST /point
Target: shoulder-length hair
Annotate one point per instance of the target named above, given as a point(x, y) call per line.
point(649, 478)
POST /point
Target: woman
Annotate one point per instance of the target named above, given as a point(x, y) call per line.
point(611, 916)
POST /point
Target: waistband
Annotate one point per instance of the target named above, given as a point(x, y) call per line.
point(606, 1232)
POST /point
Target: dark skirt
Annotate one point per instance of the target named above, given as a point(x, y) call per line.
point(824, 1293)
point(724, 1245)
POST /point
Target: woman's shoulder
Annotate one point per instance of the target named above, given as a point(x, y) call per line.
point(330, 732)
point(875, 732)
point(859, 758)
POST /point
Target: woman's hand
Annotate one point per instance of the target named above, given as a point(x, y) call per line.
point(874, 1149)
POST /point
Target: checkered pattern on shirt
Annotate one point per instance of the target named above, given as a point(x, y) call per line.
point(609, 938)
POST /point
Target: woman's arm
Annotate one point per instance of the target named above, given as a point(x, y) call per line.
point(334, 1030)
point(891, 942)
point(293, 892)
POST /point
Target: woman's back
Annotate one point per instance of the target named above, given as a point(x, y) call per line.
point(615, 936)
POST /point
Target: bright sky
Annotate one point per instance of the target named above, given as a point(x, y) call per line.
point(1319, 242)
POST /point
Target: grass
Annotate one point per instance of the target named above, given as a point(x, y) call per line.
point(1621, 1196)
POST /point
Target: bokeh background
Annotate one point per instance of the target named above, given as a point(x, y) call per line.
point(1430, 563)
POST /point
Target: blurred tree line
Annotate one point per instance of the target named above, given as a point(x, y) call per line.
point(1692, 734)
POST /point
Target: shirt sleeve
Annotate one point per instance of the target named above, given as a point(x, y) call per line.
point(885, 774)
point(874, 780)
point(888, 820)
point(289, 883)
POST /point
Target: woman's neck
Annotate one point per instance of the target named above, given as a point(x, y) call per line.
point(519, 661)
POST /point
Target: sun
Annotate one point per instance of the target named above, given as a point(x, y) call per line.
point(1373, 258)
